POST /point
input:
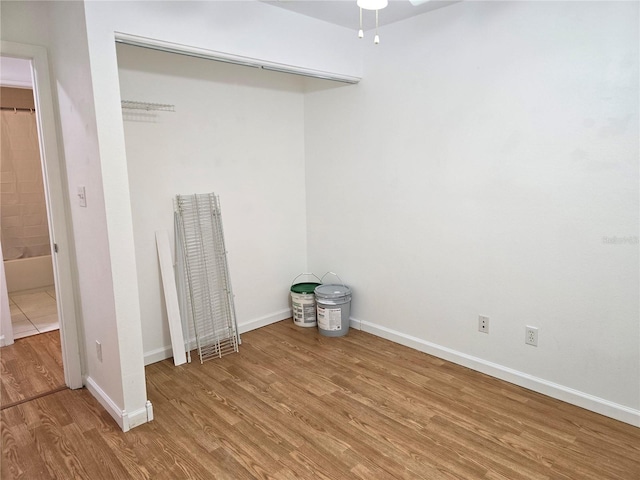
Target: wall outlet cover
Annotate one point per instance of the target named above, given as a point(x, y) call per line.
point(531, 336)
point(483, 324)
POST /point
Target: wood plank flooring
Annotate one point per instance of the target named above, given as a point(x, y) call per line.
point(32, 366)
point(295, 405)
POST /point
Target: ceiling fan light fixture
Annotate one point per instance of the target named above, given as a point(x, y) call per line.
point(372, 4)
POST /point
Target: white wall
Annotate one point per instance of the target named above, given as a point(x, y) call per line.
point(60, 27)
point(238, 132)
point(475, 170)
point(252, 29)
point(6, 331)
point(81, 38)
point(249, 29)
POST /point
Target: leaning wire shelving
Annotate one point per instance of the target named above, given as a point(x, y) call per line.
point(207, 304)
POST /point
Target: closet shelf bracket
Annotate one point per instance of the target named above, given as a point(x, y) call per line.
point(160, 107)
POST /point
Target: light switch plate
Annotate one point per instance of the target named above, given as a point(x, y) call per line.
point(82, 196)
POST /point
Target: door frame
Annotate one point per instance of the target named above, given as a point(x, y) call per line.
point(60, 231)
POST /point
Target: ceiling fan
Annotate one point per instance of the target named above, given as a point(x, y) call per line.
point(377, 5)
point(344, 12)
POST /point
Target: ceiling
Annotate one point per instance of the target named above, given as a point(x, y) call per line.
point(346, 13)
point(17, 73)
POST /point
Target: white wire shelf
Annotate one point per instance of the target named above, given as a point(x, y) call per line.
point(157, 107)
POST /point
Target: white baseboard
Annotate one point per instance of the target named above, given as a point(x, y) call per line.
point(264, 321)
point(125, 420)
point(163, 353)
point(158, 355)
point(545, 387)
point(139, 416)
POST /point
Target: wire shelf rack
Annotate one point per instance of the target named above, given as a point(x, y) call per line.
point(159, 107)
point(207, 298)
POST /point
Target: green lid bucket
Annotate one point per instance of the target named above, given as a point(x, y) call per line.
point(306, 287)
point(303, 301)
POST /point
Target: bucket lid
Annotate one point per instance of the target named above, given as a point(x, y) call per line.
point(332, 291)
point(305, 287)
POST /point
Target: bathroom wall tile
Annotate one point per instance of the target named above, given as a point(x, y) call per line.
point(11, 242)
point(7, 176)
point(35, 219)
point(29, 187)
point(12, 221)
point(10, 210)
point(7, 188)
point(10, 198)
point(31, 209)
point(33, 198)
point(15, 232)
point(39, 241)
point(32, 175)
point(37, 231)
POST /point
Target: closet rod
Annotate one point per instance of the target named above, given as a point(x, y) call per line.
point(14, 109)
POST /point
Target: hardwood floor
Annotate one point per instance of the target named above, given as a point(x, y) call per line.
point(295, 405)
point(32, 366)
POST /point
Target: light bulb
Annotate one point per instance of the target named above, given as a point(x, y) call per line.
point(360, 34)
point(376, 39)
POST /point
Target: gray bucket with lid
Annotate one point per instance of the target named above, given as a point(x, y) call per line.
point(334, 306)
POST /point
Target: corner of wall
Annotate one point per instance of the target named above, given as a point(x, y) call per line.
point(125, 420)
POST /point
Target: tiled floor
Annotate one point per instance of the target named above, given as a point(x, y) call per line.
point(33, 312)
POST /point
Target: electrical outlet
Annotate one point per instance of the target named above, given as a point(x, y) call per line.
point(99, 350)
point(483, 324)
point(531, 337)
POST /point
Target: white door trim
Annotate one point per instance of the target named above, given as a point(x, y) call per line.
point(57, 207)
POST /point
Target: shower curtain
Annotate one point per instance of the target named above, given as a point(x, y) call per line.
point(23, 210)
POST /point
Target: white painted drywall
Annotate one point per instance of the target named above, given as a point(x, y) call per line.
point(479, 168)
point(476, 169)
point(238, 132)
point(251, 29)
point(242, 28)
point(60, 27)
point(81, 38)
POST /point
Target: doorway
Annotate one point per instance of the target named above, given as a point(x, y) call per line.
point(26, 247)
point(58, 301)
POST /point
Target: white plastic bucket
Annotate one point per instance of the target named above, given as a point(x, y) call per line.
point(334, 306)
point(303, 302)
